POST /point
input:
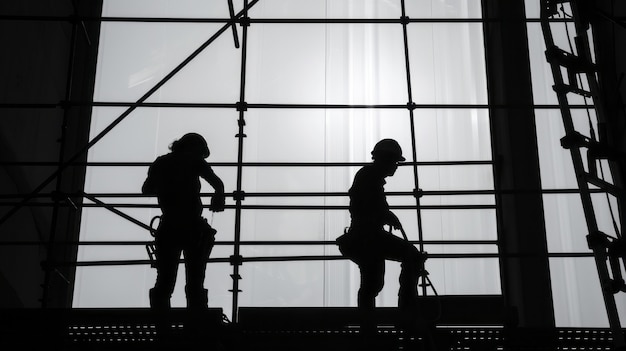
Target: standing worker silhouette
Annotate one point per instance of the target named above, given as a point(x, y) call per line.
point(368, 244)
point(175, 179)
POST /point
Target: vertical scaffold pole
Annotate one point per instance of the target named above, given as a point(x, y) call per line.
point(239, 194)
point(411, 107)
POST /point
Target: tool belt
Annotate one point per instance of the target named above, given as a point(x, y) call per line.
point(355, 244)
point(186, 231)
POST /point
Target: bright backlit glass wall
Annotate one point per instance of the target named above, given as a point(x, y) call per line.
point(324, 81)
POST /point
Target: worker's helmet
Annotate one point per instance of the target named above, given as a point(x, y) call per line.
point(191, 142)
point(388, 149)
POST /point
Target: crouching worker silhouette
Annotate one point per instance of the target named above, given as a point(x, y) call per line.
point(175, 179)
point(366, 242)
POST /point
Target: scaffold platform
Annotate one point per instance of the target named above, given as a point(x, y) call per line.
point(280, 328)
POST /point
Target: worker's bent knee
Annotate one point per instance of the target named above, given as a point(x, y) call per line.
point(414, 260)
point(372, 287)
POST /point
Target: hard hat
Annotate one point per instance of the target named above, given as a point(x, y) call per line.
point(388, 148)
point(192, 142)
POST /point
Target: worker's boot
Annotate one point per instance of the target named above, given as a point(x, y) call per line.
point(367, 308)
point(197, 299)
point(409, 311)
point(197, 305)
point(158, 300)
point(160, 305)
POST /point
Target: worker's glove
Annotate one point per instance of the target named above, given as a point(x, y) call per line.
point(217, 203)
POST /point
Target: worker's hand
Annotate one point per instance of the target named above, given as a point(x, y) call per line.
point(393, 221)
point(217, 203)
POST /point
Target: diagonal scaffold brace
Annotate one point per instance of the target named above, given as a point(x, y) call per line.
point(68, 162)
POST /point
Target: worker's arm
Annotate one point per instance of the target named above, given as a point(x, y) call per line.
point(218, 200)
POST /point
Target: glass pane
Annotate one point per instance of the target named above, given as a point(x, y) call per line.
point(458, 200)
point(607, 213)
point(285, 135)
point(355, 9)
point(566, 228)
point(283, 225)
point(283, 68)
point(365, 9)
point(276, 252)
point(285, 179)
point(336, 64)
point(294, 8)
point(464, 276)
point(575, 280)
point(444, 9)
point(365, 64)
point(148, 132)
point(134, 57)
point(541, 74)
point(100, 224)
point(115, 286)
point(458, 225)
point(115, 179)
point(447, 63)
point(127, 286)
point(532, 8)
point(452, 135)
point(555, 162)
point(167, 8)
point(289, 9)
point(566, 225)
point(276, 284)
point(459, 177)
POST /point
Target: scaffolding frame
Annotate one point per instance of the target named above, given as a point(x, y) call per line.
point(242, 19)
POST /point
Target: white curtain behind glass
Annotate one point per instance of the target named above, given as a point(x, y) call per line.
point(293, 64)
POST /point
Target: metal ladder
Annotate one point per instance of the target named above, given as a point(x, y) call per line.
point(578, 64)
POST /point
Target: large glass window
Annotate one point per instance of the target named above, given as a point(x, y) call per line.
point(324, 81)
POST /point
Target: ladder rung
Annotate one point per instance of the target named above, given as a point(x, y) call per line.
point(564, 88)
point(604, 185)
point(574, 139)
point(553, 4)
point(572, 62)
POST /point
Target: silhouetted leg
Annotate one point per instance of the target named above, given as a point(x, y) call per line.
point(372, 281)
point(394, 248)
point(167, 256)
point(195, 271)
point(197, 295)
point(412, 264)
point(407, 294)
